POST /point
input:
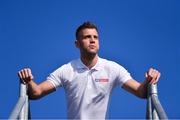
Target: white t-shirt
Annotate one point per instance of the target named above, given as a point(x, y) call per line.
point(88, 90)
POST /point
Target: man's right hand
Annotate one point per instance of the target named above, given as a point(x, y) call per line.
point(25, 75)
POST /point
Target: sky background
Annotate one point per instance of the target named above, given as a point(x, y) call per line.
point(137, 34)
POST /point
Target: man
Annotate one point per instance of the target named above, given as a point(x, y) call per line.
point(89, 80)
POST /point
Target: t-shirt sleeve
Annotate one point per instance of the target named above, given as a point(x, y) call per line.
point(122, 75)
point(56, 77)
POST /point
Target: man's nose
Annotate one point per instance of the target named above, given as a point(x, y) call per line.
point(92, 40)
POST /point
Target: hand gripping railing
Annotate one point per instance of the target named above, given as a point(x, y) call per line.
point(155, 110)
point(21, 109)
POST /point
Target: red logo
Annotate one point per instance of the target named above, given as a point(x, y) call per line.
point(102, 80)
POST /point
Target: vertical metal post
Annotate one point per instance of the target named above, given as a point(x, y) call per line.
point(21, 109)
point(151, 111)
point(155, 110)
point(149, 108)
point(23, 93)
point(153, 91)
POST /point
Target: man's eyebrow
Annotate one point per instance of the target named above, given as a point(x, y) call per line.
point(87, 36)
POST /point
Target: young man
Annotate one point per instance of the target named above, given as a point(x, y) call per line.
point(89, 80)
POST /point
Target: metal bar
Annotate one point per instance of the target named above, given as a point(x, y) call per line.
point(23, 90)
point(154, 108)
point(29, 111)
point(21, 110)
point(24, 112)
point(17, 108)
point(158, 107)
point(153, 91)
point(149, 108)
point(154, 112)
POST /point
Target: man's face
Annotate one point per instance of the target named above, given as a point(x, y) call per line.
point(88, 41)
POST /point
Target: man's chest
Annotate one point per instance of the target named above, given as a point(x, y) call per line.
point(92, 82)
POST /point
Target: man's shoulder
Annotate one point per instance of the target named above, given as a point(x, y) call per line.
point(73, 64)
point(68, 65)
point(108, 62)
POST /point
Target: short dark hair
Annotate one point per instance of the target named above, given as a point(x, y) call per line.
point(84, 26)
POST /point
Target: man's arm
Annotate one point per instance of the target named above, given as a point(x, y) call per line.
point(140, 89)
point(35, 91)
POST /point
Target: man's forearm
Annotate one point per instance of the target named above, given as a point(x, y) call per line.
point(34, 91)
point(143, 89)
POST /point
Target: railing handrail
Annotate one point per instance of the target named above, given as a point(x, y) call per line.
point(22, 106)
point(154, 107)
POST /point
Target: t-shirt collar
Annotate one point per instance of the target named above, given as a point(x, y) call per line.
point(81, 65)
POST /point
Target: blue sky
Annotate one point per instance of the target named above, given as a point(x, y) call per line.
point(137, 34)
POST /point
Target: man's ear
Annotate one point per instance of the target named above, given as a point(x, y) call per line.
point(77, 43)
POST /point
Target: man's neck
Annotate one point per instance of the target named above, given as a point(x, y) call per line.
point(89, 60)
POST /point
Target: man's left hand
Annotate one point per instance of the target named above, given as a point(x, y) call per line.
point(152, 76)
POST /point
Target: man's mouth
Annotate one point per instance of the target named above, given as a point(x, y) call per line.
point(92, 46)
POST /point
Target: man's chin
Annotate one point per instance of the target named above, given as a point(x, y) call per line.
point(92, 53)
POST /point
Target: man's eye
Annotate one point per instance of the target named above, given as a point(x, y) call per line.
point(96, 37)
point(87, 37)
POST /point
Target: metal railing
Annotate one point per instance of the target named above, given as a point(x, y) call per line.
point(21, 109)
point(155, 110)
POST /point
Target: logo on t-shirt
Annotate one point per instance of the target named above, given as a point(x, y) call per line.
point(102, 80)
